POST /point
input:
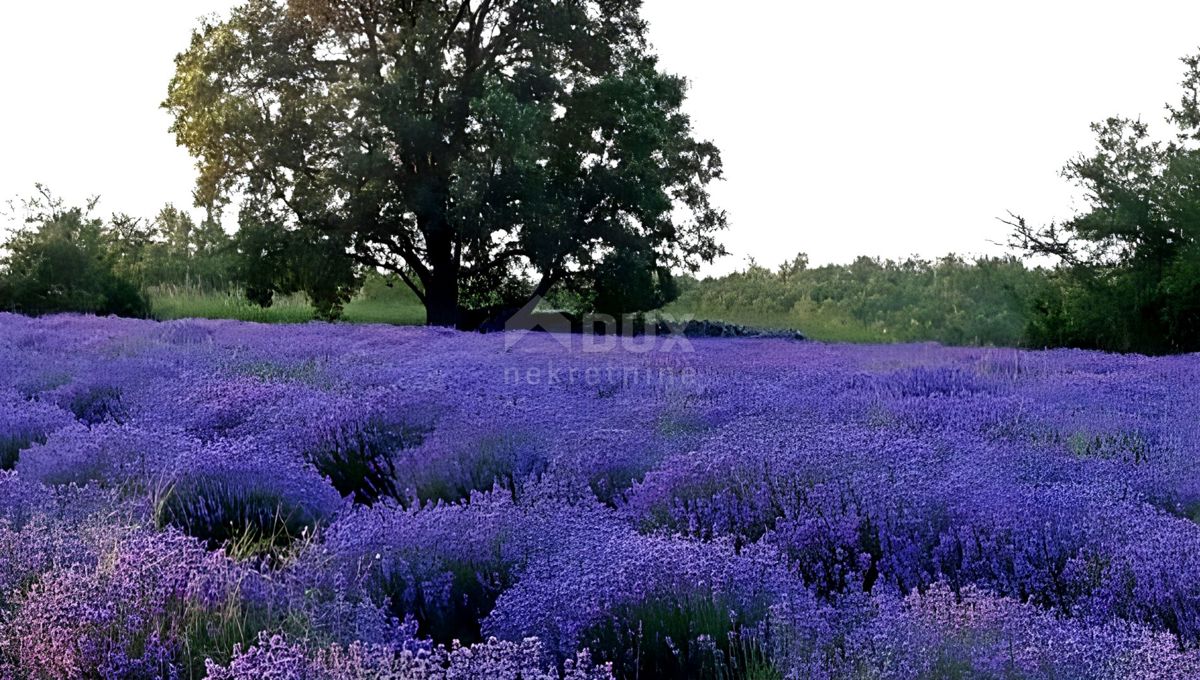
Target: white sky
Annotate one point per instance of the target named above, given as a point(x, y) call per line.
point(851, 127)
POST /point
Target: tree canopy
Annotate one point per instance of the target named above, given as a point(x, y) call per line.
point(1130, 275)
point(483, 151)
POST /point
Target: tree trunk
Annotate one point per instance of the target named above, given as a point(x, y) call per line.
point(442, 284)
point(441, 302)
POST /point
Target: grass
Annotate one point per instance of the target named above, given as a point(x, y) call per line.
point(387, 306)
point(691, 636)
point(398, 306)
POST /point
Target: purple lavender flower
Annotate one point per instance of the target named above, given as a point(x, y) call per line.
point(394, 498)
point(277, 659)
point(24, 422)
point(127, 613)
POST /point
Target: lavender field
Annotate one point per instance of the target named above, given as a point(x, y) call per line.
point(236, 501)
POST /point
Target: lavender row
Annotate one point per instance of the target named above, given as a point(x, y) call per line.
point(227, 500)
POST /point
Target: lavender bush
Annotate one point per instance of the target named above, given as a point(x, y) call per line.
point(227, 500)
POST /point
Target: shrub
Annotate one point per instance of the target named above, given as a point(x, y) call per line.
point(360, 460)
point(974, 634)
point(127, 614)
point(24, 422)
point(653, 607)
point(247, 499)
point(277, 657)
point(61, 265)
point(442, 565)
point(93, 404)
point(451, 469)
point(108, 455)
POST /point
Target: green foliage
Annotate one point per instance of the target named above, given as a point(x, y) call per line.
point(687, 637)
point(172, 302)
point(480, 152)
point(376, 303)
point(950, 300)
point(173, 250)
point(61, 261)
point(242, 522)
point(65, 260)
point(1180, 289)
point(362, 463)
point(628, 280)
point(379, 292)
point(1129, 264)
point(272, 260)
point(212, 632)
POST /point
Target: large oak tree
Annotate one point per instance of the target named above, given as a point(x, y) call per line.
point(480, 150)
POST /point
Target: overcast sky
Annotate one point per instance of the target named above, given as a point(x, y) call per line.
point(881, 128)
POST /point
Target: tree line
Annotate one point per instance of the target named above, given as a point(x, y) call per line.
point(951, 300)
point(66, 258)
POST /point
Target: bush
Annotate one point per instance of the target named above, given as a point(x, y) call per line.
point(24, 423)
point(62, 265)
point(232, 495)
point(360, 461)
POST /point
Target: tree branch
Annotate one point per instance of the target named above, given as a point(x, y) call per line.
point(1050, 240)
